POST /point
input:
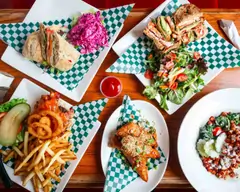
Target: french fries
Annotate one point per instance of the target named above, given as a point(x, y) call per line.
point(41, 161)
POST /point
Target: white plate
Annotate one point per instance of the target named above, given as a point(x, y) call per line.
point(127, 40)
point(32, 93)
point(44, 10)
point(210, 105)
point(155, 176)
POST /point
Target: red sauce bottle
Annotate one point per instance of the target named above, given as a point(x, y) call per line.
point(110, 87)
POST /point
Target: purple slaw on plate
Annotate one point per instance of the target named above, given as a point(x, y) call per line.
point(89, 33)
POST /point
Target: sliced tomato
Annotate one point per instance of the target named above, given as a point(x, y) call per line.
point(169, 65)
point(148, 74)
point(174, 86)
point(182, 77)
point(217, 131)
point(172, 56)
point(196, 55)
point(20, 128)
point(2, 114)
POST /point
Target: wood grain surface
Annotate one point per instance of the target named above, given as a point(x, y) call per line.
point(89, 172)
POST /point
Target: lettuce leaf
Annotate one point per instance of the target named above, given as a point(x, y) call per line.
point(5, 107)
point(20, 135)
point(150, 92)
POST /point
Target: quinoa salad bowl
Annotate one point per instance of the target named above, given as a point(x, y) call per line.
point(209, 142)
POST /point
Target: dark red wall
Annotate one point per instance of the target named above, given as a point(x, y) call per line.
point(25, 4)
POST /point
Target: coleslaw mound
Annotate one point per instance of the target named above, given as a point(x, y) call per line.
point(89, 33)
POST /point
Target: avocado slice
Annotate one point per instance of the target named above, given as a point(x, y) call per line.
point(164, 28)
point(11, 122)
point(191, 36)
point(189, 27)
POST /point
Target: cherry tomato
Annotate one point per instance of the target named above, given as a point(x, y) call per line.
point(196, 55)
point(212, 118)
point(182, 77)
point(217, 131)
point(148, 74)
point(169, 65)
point(173, 86)
point(172, 56)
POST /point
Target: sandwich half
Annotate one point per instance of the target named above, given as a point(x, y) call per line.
point(51, 48)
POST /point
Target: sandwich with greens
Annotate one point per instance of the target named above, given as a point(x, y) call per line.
point(170, 32)
point(47, 47)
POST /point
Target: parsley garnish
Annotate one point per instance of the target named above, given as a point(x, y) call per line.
point(138, 150)
point(150, 141)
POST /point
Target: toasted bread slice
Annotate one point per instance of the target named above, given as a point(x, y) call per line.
point(186, 15)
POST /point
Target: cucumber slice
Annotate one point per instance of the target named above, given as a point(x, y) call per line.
point(210, 150)
point(220, 141)
point(200, 147)
point(11, 122)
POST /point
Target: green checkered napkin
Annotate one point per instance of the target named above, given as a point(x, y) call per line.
point(119, 175)
point(217, 52)
point(15, 34)
point(85, 117)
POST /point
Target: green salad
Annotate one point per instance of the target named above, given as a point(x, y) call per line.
point(174, 75)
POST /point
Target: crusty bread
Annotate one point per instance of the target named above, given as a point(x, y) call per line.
point(186, 13)
point(67, 55)
point(32, 48)
point(60, 54)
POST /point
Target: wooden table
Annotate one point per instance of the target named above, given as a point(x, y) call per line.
point(89, 172)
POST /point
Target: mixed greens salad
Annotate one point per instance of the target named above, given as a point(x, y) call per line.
point(174, 75)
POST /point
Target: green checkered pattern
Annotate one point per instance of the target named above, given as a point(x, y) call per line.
point(132, 61)
point(119, 175)
point(171, 8)
point(217, 52)
point(15, 34)
point(85, 117)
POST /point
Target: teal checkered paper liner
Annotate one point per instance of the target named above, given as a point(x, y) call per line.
point(217, 52)
point(85, 117)
point(119, 175)
point(15, 34)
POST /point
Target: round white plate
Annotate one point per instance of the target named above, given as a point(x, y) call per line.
point(210, 105)
point(151, 113)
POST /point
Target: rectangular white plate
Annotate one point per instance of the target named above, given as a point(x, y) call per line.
point(32, 93)
point(44, 10)
point(127, 40)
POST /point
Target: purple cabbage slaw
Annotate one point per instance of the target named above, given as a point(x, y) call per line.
point(89, 33)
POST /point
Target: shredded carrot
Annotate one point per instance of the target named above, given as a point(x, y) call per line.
point(173, 81)
point(165, 74)
point(160, 73)
point(163, 86)
point(150, 56)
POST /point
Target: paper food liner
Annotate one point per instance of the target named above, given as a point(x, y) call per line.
point(85, 117)
point(118, 174)
point(15, 34)
point(216, 51)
